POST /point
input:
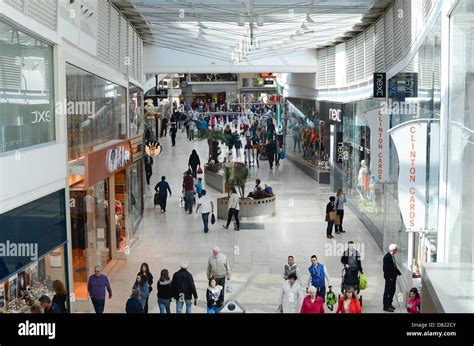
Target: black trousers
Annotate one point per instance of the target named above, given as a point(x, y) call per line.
point(270, 161)
point(340, 213)
point(389, 292)
point(148, 174)
point(163, 202)
point(173, 140)
point(221, 282)
point(145, 309)
point(233, 212)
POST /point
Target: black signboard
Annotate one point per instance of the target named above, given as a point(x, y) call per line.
point(403, 85)
point(162, 93)
point(380, 85)
point(268, 82)
point(331, 112)
point(339, 148)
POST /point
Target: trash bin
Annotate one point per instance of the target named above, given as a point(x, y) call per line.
point(232, 307)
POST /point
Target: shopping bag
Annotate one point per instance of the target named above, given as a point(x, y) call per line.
point(213, 219)
point(228, 287)
point(363, 282)
point(199, 170)
point(338, 220)
point(332, 216)
point(282, 155)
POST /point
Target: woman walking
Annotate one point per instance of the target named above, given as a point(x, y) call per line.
point(349, 303)
point(330, 207)
point(215, 296)
point(233, 210)
point(312, 303)
point(141, 284)
point(291, 296)
point(340, 200)
point(145, 270)
point(164, 292)
point(61, 295)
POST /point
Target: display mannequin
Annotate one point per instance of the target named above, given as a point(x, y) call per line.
point(363, 179)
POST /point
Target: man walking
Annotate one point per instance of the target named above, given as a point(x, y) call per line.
point(183, 289)
point(390, 273)
point(148, 168)
point(218, 267)
point(318, 277)
point(351, 258)
point(207, 207)
point(162, 188)
point(96, 287)
point(173, 131)
point(291, 268)
point(188, 186)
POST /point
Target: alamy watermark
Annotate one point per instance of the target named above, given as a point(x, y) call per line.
point(337, 249)
point(67, 108)
point(398, 108)
point(12, 249)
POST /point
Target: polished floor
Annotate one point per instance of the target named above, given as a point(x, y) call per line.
point(257, 256)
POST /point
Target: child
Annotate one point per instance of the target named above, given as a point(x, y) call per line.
point(199, 187)
point(414, 302)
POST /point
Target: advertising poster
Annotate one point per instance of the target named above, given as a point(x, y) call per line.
point(12, 288)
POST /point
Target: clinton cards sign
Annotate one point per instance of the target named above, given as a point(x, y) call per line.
point(379, 141)
point(411, 141)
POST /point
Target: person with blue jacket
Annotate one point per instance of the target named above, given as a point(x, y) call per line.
point(318, 277)
point(133, 303)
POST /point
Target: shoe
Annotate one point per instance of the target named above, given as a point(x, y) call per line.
point(225, 227)
point(388, 310)
point(237, 229)
point(392, 307)
point(342, 232)
point(337, 232)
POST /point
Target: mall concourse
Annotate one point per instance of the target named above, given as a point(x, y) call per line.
point(336, 129)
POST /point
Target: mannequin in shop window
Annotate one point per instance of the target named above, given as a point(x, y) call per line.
point(118, 224)
point(363, 180)
point(314, 139)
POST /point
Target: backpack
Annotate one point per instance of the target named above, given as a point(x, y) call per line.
point(331, 299)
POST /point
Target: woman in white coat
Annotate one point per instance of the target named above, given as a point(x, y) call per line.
point(291, 296)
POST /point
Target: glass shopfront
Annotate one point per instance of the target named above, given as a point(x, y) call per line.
point(27, 108)
point(135, 111)
point(372, 167)
point(460, 185)
point(96, 112)
point(32, 252)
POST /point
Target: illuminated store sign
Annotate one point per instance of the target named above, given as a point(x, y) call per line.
point(117, 158)
point(411, 141)
point(379, 143)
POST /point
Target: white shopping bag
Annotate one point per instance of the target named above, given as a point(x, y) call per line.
point(228, 287)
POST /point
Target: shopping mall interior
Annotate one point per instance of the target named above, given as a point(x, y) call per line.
point(217, 138)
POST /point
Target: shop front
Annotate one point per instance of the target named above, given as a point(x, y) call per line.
point(33, 253)
point(106, 204)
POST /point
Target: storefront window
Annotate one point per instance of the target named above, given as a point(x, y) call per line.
point(136, 196)
point(27, 108)
point(460, 212)
point(96, 111)
point(135, 111)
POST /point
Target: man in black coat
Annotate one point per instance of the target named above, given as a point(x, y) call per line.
point(351, 258)
point(148, 168)
point(390, 273)
point(270, 151)
point(184, 289)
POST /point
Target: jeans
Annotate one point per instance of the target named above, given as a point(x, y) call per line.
point(164, 305)
point(191, 135)
point(340, 213)
point(162, 200)
point(189, 201)
point(205, 220)
point(389, 292)
point(99, 305)
point(233, 212)
point(213, 310)
point(297, 143)
point(322, 292)
point(329, 229)
point(179, 306)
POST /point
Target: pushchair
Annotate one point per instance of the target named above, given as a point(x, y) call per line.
point(351, 278)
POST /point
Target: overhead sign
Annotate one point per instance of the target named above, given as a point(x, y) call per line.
point(162, 93)
point(117, 158)
point(267, 75)
point(153, 149)
point(410, 140)
point(268, 82)
point(335, 114)
point(380, 85)
point(403, 85)
point(331, 112)
point(379, 123)
point(339, 148)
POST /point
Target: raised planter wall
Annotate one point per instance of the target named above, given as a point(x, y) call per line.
point(248, 207)
point(215, 180)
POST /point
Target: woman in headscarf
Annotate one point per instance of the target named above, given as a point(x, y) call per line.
point(194, 162)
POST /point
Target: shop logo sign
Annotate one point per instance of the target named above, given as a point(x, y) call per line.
point(335, 114)
point(117, 158)
point(44, 117)
point(340, 148)
point(380, 85)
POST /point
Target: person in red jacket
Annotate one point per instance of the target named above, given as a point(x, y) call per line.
point(312, 304)
point(348, 303)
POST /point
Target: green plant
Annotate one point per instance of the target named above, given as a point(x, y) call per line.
point(211, 136)
point(236, 175)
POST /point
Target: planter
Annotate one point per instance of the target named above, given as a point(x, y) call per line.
point(248, 207)
point(215, 180)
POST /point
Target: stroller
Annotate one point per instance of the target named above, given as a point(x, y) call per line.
point(350, 278)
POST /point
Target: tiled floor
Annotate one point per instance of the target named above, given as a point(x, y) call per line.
point(257, 257)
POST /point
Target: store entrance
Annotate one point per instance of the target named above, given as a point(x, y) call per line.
point(90, 232)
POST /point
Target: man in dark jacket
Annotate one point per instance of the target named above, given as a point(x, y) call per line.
point(162, 188)
point(351, 258)
point(184, 289)
point(173, 131)
point(48, 306)
point(133, 303)
point(390, 273)
point(270, 150)
point(148, 168)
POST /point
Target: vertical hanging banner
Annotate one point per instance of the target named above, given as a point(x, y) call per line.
point(411, 141)
point(379, 123)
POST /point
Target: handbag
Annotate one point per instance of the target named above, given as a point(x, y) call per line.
point(213, 219)
point(199, 170)
point(332, 216)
